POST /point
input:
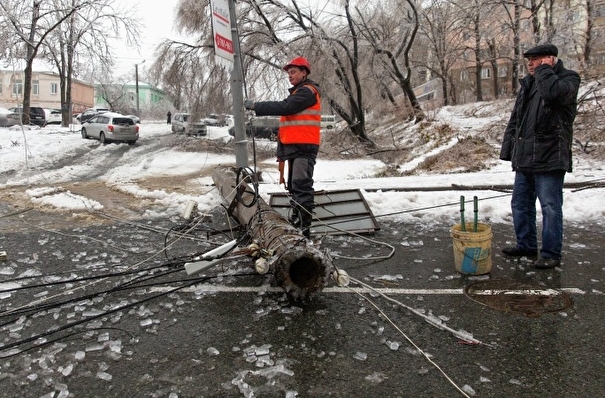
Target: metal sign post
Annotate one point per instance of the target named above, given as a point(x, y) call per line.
point(227, 52)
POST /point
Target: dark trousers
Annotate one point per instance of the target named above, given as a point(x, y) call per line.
point(300, 182)
point(548, 189)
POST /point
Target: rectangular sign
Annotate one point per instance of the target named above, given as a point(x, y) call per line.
point(221, 27)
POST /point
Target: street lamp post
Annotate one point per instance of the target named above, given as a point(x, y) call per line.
point(136, 78)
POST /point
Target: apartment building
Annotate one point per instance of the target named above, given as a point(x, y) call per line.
point(149, 96)
point(45, 91)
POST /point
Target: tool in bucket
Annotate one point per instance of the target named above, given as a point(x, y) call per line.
point(472, 243)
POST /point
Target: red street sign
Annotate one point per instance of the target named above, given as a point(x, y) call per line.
point(223, 43)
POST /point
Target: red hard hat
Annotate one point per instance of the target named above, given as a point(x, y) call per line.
point(300, 62)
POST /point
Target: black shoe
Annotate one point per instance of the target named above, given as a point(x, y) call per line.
point(547, 263)
point(306, 218)
point(294, 218)
point(514, 251)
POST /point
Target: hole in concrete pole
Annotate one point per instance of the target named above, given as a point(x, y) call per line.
point(304, 272)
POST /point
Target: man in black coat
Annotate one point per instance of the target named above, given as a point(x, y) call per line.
point(537, 141)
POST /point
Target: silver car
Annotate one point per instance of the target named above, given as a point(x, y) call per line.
point(8, 118)
point(111, 127)
point(180, 124)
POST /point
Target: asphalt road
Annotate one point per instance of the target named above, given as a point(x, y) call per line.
point(105, 309)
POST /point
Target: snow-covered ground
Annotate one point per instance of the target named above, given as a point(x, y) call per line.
point(26, 157)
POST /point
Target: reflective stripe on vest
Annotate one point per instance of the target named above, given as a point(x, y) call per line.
point(302, 127)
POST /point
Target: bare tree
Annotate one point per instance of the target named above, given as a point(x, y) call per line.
point(115, 95)
point(473, 14)
point(534, 7)
point(187, 71)
point(336, 47)
point(512, 10)
point(441, 29)
point(346, 56)
point(394, 43)
point(270, 34)
point(589, 35)
point(84, 35)
point(32, 24)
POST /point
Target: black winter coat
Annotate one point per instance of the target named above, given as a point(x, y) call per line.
point(295, 103)
point(539, 134)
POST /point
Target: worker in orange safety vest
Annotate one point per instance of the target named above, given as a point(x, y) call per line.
point(298, 138)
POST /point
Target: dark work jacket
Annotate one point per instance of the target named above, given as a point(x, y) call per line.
point(539, 133)
point(297, 101)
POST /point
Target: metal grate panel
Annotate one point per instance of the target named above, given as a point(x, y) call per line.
point(336, 212)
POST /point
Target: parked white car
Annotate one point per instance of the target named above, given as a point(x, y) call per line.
point(53, 116)
point(111, 127)
point(215, 120)
point(180, 124)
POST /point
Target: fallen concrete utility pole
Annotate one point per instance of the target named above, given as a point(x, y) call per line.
point(299, 267)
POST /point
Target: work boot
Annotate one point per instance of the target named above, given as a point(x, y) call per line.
point(294, 217)
point(547, 263)
point(306, 217)
point(515, 251)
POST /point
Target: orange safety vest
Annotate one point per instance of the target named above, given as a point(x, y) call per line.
point(302, 127)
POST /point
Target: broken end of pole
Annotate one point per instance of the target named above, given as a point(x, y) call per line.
point(299, 267)
point(302, 271)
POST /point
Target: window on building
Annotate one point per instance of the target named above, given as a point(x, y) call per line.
point(427, 96)
point(18, 87)
point(464, 75)
point(502, 71)
point(54, 88)
point(422, 74)
point(574, 16)
point(522, 70)
point(486, 73)
point(35, 87)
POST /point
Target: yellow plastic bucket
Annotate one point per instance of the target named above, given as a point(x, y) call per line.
point(472, 250)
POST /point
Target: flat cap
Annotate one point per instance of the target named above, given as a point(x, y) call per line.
point(542, 49)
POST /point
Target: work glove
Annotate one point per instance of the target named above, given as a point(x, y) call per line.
point(249, 104)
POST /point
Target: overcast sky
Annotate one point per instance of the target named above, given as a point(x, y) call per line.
point(156, 19)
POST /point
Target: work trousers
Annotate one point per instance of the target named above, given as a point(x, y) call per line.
point(300, 182)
